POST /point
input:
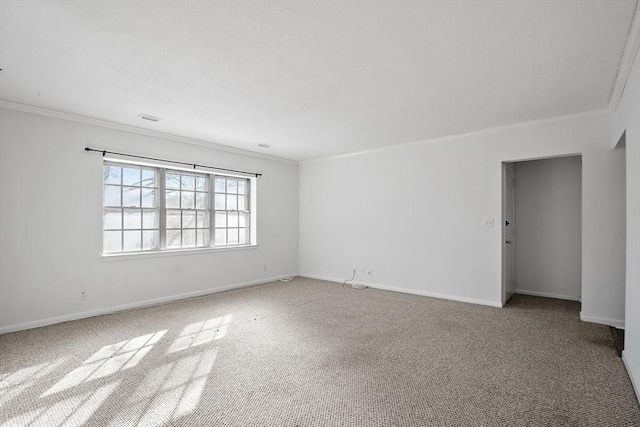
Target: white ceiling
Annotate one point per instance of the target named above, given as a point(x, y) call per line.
point(313, 78)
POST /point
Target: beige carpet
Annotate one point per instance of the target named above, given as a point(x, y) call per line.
point(312, 353)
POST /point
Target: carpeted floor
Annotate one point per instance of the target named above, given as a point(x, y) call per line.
point(312, 353)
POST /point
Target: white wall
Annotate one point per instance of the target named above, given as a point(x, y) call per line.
point(414, 213)
point(603, 262)
point(51, 220)
point(627, 118)
point(548, 227)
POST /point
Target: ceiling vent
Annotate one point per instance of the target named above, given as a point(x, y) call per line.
point(150, 118)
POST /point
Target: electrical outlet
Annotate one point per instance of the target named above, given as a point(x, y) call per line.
point(370, 271)
point(83, 295)
point(488, 222)
point(264, 268)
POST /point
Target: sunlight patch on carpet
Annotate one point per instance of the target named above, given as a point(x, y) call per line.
point(73, 411)
point(12, 384)
point(200, 333)
point(107, 361)
point(169, 391)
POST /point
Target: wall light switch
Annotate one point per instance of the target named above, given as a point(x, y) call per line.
point(488, 222)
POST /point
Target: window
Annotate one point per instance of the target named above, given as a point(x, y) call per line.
point(232, 216)
point(130, 214)
point(187, 210)
point(153, 209)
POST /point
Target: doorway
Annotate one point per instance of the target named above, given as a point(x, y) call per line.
point(542, 228)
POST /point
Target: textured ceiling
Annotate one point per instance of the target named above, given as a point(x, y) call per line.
point(313, 78)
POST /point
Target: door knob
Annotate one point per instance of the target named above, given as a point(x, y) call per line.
point(508, 242)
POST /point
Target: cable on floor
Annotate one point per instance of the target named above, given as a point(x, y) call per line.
point(353, 285)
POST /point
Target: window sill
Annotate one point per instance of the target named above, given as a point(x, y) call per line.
point(173, 252)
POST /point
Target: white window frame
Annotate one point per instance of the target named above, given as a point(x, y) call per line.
point(161, 172)
point(123, 229)
point(164, 209)
point(242, 221)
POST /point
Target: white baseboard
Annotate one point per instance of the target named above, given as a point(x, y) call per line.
point(134, 305)
point(633, 375)
point(407, 290)
point(602, 320)
point(546, 295)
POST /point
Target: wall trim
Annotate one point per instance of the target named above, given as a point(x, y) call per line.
point(602, 320)
point(603, 112)
point(629, 54)
point(136, 305)
point(633, 376)
point(547, 295)
point(133, 129)
point(407, 291)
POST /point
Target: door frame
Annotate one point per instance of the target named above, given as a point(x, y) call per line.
point(507, 293)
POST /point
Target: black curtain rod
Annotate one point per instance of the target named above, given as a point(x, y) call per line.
point(194, 165)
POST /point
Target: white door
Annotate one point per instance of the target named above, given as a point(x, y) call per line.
point(508, 233)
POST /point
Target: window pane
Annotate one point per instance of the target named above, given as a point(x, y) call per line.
point(243, 238)
point(232, 186)
point(232, 236)
point(219, 202)
point(201, 201)
point(150, 219)
point(188, 238)
point(112, 219)
point(150, 239)
point(242, 187)
point(148, 178)
point(130, 176)
point(221, 236)
point(241, 203)
point(188, 200)
point(188, 182)
point(201, 183)
point(112, 241)
point(132, 240)
point(188, 219)
point(243, 220)
point(112, 174)
point(112, 195)
point(233, 219)
point(173, 181)
point(232, 203)
point(173, 199)
point(202, 219)
point(132, 219)
point(173, 238)
point(131, 196)
point(220, 185)
point(148, 198)
point(203, 237)
point(173, 219)
point(221, 219)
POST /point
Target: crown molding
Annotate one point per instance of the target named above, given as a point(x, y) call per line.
point(604, 112)
point(626, 62)
point(133, 129)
